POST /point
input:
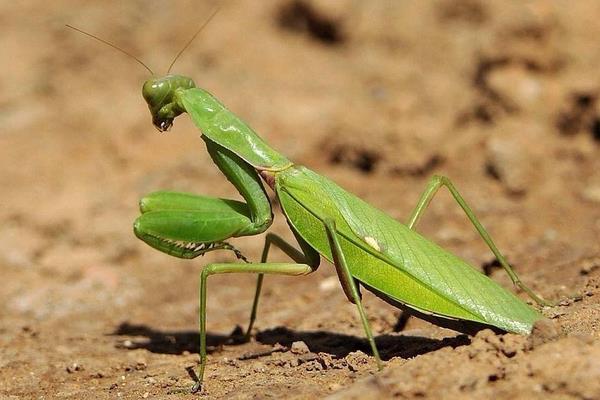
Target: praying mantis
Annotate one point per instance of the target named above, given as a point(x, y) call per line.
point(367, 247)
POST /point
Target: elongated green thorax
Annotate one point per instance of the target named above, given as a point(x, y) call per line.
point(169, 96)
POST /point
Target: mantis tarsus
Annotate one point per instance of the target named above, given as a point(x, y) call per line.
point(367, 247)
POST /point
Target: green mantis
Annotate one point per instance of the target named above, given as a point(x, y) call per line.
point(367, 247)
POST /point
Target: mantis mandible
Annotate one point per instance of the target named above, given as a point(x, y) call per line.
point(367, 247)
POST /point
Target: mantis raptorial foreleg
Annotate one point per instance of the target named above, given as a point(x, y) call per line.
point(434, 185)
point(310, 257)
point(186, 225)
point(349, 285)
point(258, 268)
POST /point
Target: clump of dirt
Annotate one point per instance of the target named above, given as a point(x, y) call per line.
point(502, 97)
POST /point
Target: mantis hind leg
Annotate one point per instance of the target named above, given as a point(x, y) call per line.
point(258, 268)
point(434, 185)
point(308, 256)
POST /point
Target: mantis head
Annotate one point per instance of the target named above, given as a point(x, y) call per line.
point(159, 93)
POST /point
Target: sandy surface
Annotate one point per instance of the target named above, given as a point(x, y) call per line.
point(503, 97)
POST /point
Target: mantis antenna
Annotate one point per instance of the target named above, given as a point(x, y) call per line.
point(193, 37)
point(113, 46)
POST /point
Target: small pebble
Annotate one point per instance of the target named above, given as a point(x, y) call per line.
point(74, 368)
point(299, 348)
point(151, 380)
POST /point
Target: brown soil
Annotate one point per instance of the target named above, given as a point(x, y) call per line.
point(503, 97)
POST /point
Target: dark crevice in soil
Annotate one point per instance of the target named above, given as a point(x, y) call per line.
point(484, 69)
point(492, 102)
point(471, 12)
point(595, 129)
point(420, 170)
point(362, 160)
point(369, 161)
point(300, 16)
point(580, 115)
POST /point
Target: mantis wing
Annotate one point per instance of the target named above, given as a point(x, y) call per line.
point(424, 276)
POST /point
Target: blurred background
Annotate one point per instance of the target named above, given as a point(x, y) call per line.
point(501, 96)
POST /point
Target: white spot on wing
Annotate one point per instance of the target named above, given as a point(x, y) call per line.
point(372, 242)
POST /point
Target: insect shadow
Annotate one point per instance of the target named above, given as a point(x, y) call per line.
point(338, 345)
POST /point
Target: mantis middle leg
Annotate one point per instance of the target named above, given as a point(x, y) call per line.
point(291, 269)
point(434, 185)
point(308, 256)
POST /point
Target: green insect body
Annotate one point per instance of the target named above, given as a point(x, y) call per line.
point(367, 247)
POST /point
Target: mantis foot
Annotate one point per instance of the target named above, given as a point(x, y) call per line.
point(197, 386)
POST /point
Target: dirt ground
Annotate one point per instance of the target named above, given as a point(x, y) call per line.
point(502, 97)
